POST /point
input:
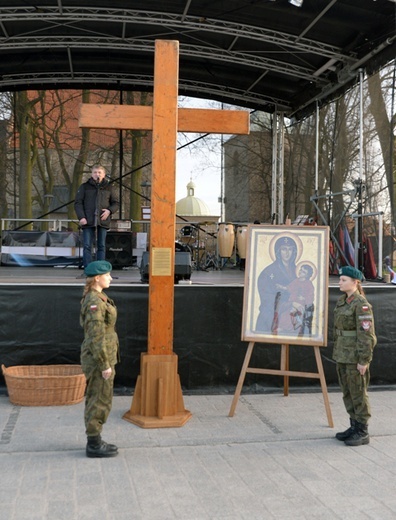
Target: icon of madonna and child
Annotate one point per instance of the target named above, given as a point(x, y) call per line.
point(286, 291)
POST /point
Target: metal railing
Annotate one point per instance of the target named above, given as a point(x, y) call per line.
point(49, 223)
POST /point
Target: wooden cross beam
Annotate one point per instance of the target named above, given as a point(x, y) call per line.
point(165, 120)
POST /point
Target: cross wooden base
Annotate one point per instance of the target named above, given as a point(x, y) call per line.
point(286, 373)
point(158, 400)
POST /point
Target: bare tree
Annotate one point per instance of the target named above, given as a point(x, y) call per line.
point(137, 138)
point(54, 151)
point(27, 151)
point(5, 123)
point(385, 127)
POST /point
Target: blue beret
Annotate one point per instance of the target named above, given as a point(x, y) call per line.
point(98, 267)
point(352, 272)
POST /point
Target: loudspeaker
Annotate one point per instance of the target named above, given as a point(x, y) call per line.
point(119, 247)
point(182, 266)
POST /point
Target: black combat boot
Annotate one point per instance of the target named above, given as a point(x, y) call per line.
point(360, 436)
point(96, 448)
point(343, 436)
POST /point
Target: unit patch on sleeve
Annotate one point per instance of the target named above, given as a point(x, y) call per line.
point(366, 325)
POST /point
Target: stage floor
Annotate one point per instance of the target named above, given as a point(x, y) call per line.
point(227, 276)
point(127, 276)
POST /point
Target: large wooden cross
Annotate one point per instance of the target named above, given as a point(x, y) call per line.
point(157, 400)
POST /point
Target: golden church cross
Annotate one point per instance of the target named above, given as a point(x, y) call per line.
point(158, 400)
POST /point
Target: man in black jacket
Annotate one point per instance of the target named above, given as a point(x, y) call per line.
point(95, 202)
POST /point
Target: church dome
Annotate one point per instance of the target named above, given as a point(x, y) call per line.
point(191, 206)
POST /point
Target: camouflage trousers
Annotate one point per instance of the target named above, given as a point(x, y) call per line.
point(98, 402)
point(354, 391)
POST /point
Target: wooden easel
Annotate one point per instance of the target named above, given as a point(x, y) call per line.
point(286, 373)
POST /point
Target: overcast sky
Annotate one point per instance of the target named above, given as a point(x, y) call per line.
point(204, 169)
point(199, 164)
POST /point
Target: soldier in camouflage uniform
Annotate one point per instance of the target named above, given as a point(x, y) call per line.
point(354, 341)
point(99, 355)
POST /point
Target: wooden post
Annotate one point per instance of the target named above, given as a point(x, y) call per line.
point(285, 356)
point(163, 187)
point(158, 400)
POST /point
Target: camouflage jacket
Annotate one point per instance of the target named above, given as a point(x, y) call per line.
point(354, 331)
point(98, 317)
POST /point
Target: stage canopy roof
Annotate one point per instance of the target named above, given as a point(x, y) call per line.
point(260, 54)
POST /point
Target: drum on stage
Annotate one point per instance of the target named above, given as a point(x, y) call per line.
point(180, 248)
point(241, 240)
point(187, 235)
point(225, 239)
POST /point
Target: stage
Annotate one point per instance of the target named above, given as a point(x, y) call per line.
point(40, 325)
point(70, 275)
point(127, 276)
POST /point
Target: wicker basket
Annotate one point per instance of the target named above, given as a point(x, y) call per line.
point(47, 385)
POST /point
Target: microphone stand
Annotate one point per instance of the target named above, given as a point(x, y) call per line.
point(96, 222)
point(80, 260)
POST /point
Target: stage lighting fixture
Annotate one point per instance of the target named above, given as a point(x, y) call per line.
point(297, 3)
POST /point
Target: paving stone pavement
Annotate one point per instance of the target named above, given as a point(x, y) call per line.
point(275, 459)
